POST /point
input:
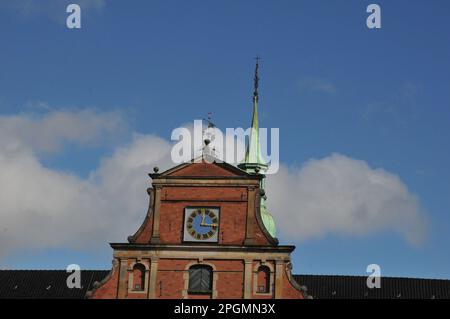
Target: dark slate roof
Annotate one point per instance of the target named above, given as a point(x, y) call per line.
point(45, 283)
point(52, 284)
point(354, 287)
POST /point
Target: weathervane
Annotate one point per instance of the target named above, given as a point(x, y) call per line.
point(209, 136)
point(210, 123)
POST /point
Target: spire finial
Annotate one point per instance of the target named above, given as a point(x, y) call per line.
point(256, 80)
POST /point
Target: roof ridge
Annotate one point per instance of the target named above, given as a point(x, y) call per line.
point(363, 276)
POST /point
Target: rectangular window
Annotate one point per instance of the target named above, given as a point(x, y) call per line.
point(200, 279)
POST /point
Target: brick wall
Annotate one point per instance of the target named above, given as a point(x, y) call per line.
point(108, 290)
point(231, 223)
point(171, 277)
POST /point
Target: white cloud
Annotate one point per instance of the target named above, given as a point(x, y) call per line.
point(43, 208)
point(48, 133)
point(341, 195)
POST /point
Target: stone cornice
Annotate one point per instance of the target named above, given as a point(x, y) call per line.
point(207, 179)
point(203, 247)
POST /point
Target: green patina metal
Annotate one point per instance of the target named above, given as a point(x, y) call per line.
point(253, 162)
point(267, 219)
point(253, 153)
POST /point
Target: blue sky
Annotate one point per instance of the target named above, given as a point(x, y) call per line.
point(328, 82)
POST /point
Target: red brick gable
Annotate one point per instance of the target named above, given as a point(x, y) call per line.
point(200, 183)
point(200, 168)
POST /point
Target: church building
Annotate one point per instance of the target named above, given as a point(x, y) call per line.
point(207, 234)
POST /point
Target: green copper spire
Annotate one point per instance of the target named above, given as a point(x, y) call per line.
point(253, 162)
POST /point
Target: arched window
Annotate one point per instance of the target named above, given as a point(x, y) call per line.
point(138, 277)
point(263, 279)
point(200, 279)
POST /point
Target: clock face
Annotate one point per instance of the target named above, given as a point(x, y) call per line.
point(201, 224)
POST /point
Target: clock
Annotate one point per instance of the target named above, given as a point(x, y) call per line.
point(201, 224)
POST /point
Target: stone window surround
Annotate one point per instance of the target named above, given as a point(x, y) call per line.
point(130, 269)
point(185, 293)
point(271, 278)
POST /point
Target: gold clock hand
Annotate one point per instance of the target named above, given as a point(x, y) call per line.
point(208, 225)
point(203, 218)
